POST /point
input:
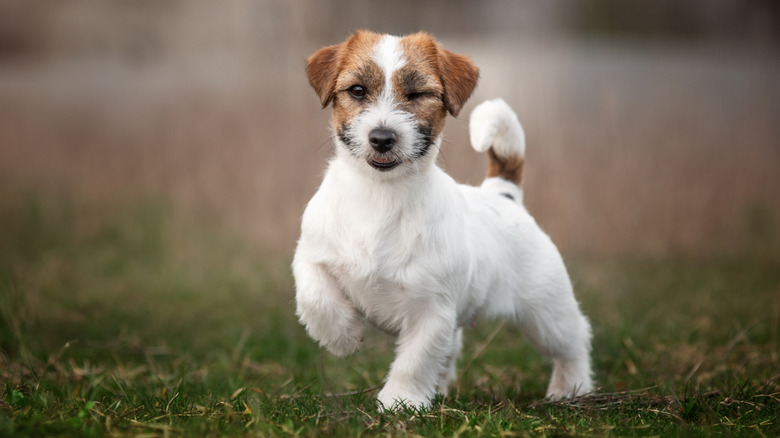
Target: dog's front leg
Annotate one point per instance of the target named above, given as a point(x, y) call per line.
point(323, 309)
point(424, 348)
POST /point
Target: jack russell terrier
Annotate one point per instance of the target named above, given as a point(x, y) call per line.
point(390, 238)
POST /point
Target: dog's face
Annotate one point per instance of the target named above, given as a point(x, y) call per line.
point(390, 96)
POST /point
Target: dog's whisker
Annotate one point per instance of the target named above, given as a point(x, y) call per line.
point(329, 140)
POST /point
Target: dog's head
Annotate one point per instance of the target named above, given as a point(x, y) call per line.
point(390, 95)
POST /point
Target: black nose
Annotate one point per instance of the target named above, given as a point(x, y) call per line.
point(382, 139)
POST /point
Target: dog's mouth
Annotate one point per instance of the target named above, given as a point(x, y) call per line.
point(383, 164)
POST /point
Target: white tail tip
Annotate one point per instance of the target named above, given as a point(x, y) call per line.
point(494, 124)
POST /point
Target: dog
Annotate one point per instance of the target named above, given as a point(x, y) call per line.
point(391, 239)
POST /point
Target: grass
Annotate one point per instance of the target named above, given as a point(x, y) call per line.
point(130, 319)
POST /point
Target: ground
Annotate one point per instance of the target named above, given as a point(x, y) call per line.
point(128, 318)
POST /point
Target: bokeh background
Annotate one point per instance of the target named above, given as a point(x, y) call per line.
point(156, 157)
point(653, 128)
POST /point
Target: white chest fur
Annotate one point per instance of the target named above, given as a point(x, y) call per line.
point(390, 247)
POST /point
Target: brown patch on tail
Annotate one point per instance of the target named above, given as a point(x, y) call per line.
point(508, 168)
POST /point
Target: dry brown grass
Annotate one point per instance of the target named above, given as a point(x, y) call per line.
point(630, 150)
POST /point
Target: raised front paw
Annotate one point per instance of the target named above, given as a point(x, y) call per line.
point(348, 342)
point(338, 330)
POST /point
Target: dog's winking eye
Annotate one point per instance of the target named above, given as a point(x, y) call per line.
point(357, 92)
point(415, 95)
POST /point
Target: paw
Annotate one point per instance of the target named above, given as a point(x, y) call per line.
point(391, 398)
point(338, 330)
point(347, 343)
point(570, 378)
point(447, 377)
point(444, 381)
point(561, 390)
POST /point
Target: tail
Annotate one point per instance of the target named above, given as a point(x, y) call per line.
point(494, 129)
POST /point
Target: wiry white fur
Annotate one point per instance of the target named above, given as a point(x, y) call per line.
point(420, 256)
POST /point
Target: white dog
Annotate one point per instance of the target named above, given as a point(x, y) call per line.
point(392, 239)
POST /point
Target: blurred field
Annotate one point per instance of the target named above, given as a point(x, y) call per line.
point(155, 159)
point(119, 320)
point(634, 147)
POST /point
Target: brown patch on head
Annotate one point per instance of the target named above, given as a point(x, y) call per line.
point(457, 74)
point(508, 168)
point(333, 70)
point(418, 85)
point(431, 82)
point(326, 64)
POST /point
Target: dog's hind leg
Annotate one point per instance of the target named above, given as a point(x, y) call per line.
point(451, 366)
point(562, 333)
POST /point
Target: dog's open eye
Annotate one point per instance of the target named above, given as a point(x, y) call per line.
point(357, 92)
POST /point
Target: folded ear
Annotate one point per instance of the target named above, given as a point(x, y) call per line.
point(322, 68)
point(459, 76)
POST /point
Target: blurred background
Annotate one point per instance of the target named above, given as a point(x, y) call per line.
point(156, 157)
point(653, 127)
